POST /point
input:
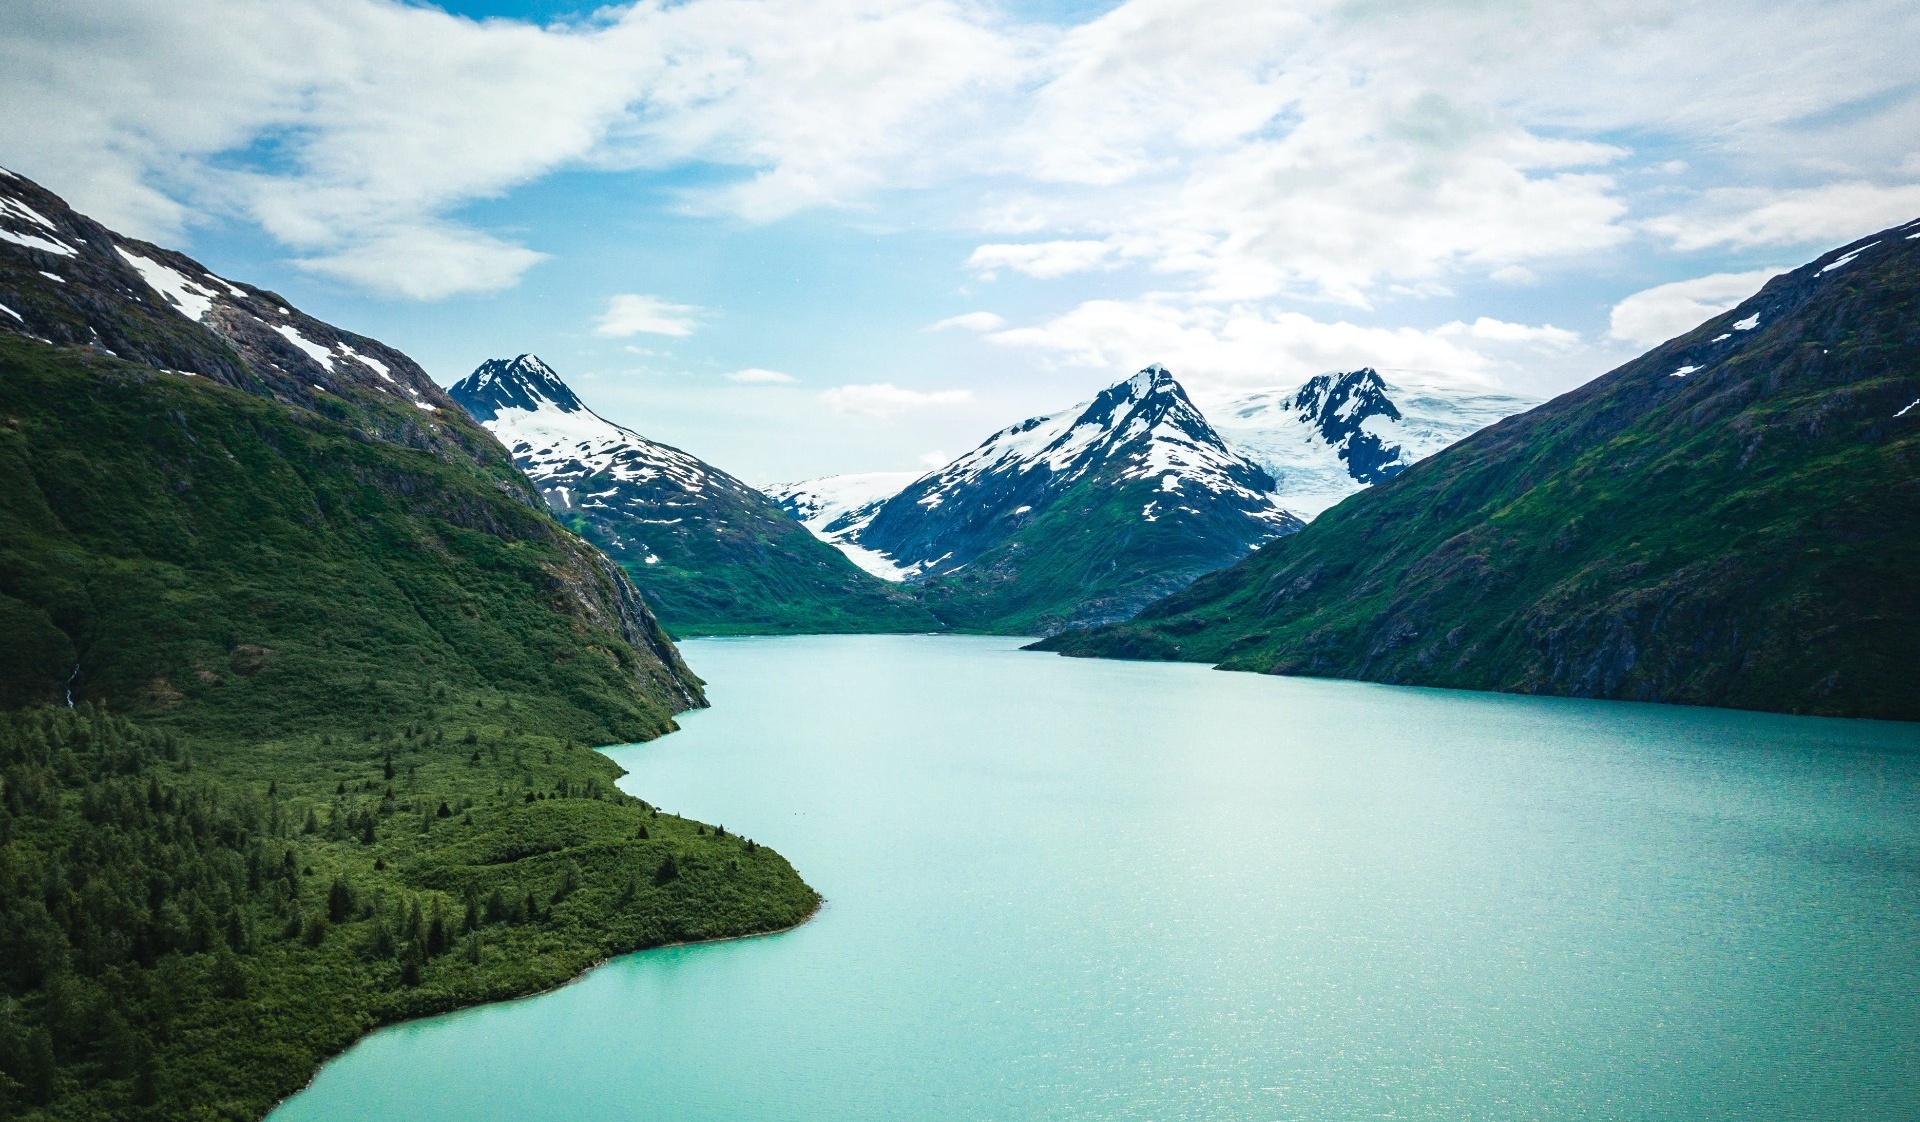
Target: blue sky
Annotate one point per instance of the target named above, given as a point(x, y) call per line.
point(799, 237)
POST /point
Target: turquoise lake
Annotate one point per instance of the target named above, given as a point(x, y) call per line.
point(1067, 889)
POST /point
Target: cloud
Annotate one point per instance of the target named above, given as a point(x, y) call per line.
point(426, 262)
point(328, 125)
point(1743, 218)
point(934, 459)
point(884, 399)
point(1045, 260)
point(1654, 315)
point(633, 314)
point(753, 375)
point(970, 321)
point(1313, 149)
point(1500, 331)
point(1216, 350)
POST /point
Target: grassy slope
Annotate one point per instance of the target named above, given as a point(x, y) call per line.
point(742, 566)
point(293, 609)
point(1742, 537)
point(1090, 558)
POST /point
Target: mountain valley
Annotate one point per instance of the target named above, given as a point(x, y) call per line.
point(1726, 520)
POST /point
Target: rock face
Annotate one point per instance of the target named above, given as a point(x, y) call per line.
point(710, 553)
point(1342, 432)
point(1080, 516)
point(1728, 520)
point(217, 457)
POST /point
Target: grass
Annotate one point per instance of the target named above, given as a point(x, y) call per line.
point(304, 657)
point(1739, 537)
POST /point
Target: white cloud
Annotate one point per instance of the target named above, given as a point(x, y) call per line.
point(1045, 260)
point(1500, 331)
point(426, 262)
point(148, 113)
point(970, 321)
point(634, 314)
point(1312, 148)
point(1215, 350)
point(884, 399)
point(934, 459)
point(755, 376)
point(1744, 217)
point(1654, 315)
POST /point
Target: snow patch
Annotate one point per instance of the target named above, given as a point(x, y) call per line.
point(370, 363)
point(1749, 323)
point(1683, 371)
point(34, 241)
point(14, 314)
point(1848, 258)
point(1721, 338)
point(874, 563)
point(190, 299)
point(1910, 405)
point(314, 351)
point(14, 208)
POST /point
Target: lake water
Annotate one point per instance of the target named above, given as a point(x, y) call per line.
point(1066, 889)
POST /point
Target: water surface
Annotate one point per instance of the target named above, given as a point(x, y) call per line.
point(1066, 889)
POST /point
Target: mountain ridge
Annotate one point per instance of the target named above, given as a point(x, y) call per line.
point(1078, 515)
point(296, 700)
point(1720, 521)
point(711, 554)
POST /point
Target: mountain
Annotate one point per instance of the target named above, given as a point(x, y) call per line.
point(1729, 519)
point(1078, 517)
point(1341, 432)
point(836, 508)
point(298, 679)
point(711, 554)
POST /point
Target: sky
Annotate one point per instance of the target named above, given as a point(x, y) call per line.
point(805, 237)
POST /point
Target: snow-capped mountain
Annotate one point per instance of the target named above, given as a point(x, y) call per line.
point(836, 508)
point(581, 461)
point(1341, 432)
point(709, 552)
point(66, 279)
point(1073, 517)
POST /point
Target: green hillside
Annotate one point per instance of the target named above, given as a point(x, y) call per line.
point(744, 567)
point(712, 555)
point(329, 766)
point(1729, 520)
point(1088, 556)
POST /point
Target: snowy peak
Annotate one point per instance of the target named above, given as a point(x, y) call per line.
point(1338, 407)
point(524, 383)
point(578, 459)
point(1147, 419)
point(67, 280)
point(1143, 431)
point(1343, 431)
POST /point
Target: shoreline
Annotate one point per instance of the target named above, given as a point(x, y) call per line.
point(819, 906)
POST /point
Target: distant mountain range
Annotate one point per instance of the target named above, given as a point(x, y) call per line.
point(241, 443)
point(1074, 517)
point(1342, 432)
point(1730, 519)
point(1264, 462)
point(710, 553)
